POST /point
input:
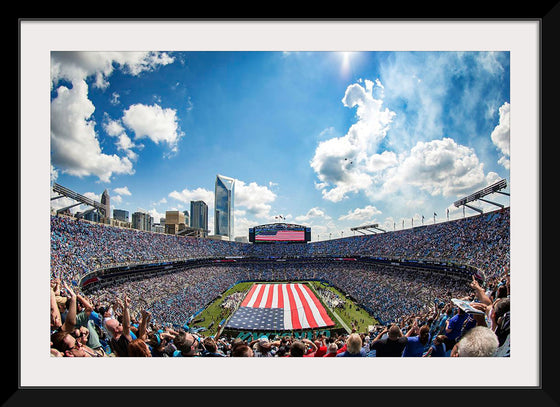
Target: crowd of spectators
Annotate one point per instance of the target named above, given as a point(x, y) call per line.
point(147, 317)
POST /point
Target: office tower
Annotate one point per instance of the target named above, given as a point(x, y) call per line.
point(223, 206)
point(174, 222)
point(106, 200)
point(142, 221)
point(120, 214)
point(199, 216)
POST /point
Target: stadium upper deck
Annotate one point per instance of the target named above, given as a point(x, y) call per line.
point(80, 247)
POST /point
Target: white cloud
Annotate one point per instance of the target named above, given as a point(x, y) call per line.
point(313, 213)
point(122, 191)
point(158, 124)
point(198, 194)
point(344, 163)
point(77, 66)
point(255, 198)
point(114, 129)
point(500, 135)
point(367, 213)
point(75, 148)
point(439, 167)
point(155, 215)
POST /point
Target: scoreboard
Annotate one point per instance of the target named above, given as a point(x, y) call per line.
point(280, 232)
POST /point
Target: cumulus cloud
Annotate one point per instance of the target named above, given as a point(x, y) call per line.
point(341, 163)
point(362, 161)
point(255, 198)
point(124, 143)
point(313, 213)
point(79, 65)
point(75, 146)
point(122, 191)
point(155, 123)
point(439, 167)
point(199, 194)
point(500, 135)
point(367, 213)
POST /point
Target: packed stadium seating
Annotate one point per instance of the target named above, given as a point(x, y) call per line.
point(160, 304)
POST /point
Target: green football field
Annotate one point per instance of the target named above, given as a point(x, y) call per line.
point(347, 315)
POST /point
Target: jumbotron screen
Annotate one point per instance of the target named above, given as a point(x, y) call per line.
point(279, 232)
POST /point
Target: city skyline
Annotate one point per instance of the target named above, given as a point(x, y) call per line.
point(330, 140)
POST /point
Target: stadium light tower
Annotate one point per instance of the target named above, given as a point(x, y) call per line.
point(370, 228)
point(102, 207)
point(477, 196)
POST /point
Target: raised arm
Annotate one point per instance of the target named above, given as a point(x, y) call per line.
point(142, 328)
point(413, 331)
point(311, 343)
point(70, 321)
point(88, 308)
point(126, 317)
point(56, 320)
point(479, 292)
point(380, 334)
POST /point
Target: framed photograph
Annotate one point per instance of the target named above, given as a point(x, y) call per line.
point(336, 128)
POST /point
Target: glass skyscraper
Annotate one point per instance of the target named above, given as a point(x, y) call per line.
point(199, 216)
point(223, 207)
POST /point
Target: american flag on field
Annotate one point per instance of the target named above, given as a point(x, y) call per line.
point(280, 235)
point(280, 307)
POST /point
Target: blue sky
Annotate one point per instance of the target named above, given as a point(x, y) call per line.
point(331, 140)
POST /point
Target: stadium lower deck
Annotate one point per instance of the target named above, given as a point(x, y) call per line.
point(391, 274)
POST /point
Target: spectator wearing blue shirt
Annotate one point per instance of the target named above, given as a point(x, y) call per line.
point(454, 327)
point(437, 349)
point(418, 343)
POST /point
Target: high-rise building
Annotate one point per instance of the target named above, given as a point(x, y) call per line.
point(142, 221)
point(106, 200)
point(199, 216)
point(174, 222)
point(223, 206)
point(120, 214)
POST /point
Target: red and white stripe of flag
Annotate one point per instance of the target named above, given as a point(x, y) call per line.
point(283, 235)
point(302, 309)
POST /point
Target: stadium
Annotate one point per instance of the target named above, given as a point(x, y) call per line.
point(281, 294)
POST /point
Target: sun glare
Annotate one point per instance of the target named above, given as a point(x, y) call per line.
point(345, 64)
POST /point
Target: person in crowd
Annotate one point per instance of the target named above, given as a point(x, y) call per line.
point(321, 344)
point(120, 331)
point(418, 341)
point(390, 342)
point(67, 345)
point(242, 350)
point(82, 334)
point(353, 347)
point(187, 345)
point(437, 348)
point(86, 318)
point(302, 348)
point(479, 341)
point(332, 350)
point(210, 348)
point(457, 326)
point(139, 348)
point(262, 347)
